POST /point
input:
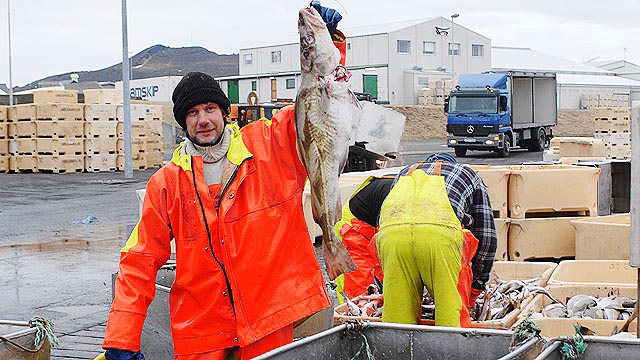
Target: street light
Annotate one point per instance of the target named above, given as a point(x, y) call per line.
point(452, 53)
point(9, 38)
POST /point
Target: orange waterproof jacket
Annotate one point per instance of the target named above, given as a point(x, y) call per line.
point(246, 271)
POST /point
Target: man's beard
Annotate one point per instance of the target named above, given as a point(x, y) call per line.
point(196, 142)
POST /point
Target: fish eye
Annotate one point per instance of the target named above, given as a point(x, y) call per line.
point(309, 39)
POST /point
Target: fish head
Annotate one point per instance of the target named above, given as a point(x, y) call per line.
point(318, 55)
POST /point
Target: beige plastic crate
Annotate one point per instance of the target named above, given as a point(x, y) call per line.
point(514, 270)
point(502, 232)
point(100, 163)
point(618, 139)
point(100, 145)
point(154, 159)
point(59, 128)
point(138, 144)
point(23, 146)
point(59, 164)
point(100, 112)
point(619, 152)
point(138, 112)
point(138, 128)
point(552, 327)
point(55, 96)
point(579, 146)
point(4, 163)
point(139, 161)
point(537, 190)
point(4, 113)
point(21, 129)
point(603, 237)
point(612, 126)
point(619, 113)
point(4, 146)
point(4, 130)
point(103, 96)
point(595, 272)
point(154, 127)
point(48, 111)
point(153, 143)
point(100, 129)
point(538, 238)
point(23, 163)
point(496, 180)
point(61, 146)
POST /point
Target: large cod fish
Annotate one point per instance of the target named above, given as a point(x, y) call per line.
point(324, 116)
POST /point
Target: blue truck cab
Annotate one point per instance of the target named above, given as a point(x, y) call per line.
point(496, 111)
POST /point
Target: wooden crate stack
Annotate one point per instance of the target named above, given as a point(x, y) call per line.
point(4, 141)
point(154, 141)
point(613, 126)
point(138, 136)
point(46, 136)
point(595, 101)
point(100, 136)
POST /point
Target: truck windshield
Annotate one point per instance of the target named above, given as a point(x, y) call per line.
point(473, 105)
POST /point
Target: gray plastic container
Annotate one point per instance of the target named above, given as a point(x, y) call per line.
point(396, 341)
point(598, 347)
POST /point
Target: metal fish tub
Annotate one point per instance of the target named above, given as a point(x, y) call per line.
point(397, 341)
point(18, 333)
point(598, 347)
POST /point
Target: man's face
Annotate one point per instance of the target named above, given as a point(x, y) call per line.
point(205, 122)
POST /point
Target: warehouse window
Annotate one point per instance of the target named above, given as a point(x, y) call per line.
point(477, 50)
point(291, 83)
point(428, 47)
point(455, 48)
point(276, 56)
point(254, 85)
point(248, 59)
point(404, 46)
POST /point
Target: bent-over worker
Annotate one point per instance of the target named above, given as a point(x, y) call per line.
point(356, 229)
point(433, 219)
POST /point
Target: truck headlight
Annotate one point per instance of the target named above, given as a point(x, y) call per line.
point(488, 142)
point(453, 141)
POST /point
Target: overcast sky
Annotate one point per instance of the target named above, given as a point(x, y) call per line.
point(50, 37)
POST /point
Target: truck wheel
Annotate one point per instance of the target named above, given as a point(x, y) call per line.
point(538, 141)
point(506, 149)
point(460, 151)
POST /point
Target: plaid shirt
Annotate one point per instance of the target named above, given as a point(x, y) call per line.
point(470, 201)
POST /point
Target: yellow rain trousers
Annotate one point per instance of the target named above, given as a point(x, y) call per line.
point(421, 243)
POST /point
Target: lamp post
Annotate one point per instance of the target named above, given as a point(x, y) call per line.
point(452, 53)
point(9, 35)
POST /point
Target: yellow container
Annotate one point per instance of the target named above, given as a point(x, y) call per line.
point(55, 96)
point(603, 237)
point(495, 179)
point(543, 190)
point(502, 232)
point(541, 238)
point(552, 327)
point(595, 272)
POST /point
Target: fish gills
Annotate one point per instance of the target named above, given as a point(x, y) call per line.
point(324, 118)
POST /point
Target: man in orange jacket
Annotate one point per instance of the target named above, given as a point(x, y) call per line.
point(232, 199)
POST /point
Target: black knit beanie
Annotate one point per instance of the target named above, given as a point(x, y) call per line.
point(196, 88)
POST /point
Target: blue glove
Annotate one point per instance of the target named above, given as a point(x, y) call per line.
point(330, 16)
point(117, 354)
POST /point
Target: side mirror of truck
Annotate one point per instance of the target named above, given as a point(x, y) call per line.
point(446, 105)
point(503, 103)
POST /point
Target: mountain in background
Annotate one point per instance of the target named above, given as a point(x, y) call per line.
point(157, 60)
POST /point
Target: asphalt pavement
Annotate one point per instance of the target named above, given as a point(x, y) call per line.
point(60, 236)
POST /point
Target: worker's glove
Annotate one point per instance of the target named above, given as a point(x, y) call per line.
point(473, 297)
point(330, 16)
point(117, 354)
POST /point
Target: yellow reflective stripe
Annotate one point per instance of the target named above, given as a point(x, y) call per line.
point(237, 150)
point(184, 161)
point(133, 240)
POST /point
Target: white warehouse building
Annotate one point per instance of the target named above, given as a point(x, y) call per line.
point(390, 61)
